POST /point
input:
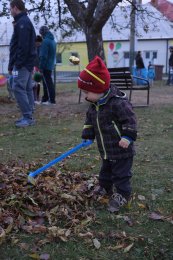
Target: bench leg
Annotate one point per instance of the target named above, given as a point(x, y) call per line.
point(130, 95)
point(148, 97)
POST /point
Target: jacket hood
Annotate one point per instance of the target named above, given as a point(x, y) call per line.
point(112, 92)
point(117, 93)
point(49, 35)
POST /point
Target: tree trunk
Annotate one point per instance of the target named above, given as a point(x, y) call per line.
point(132, 35)
point(94, 43)
point(91, 16)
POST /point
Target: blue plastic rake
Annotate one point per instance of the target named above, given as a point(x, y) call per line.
point(32, 175)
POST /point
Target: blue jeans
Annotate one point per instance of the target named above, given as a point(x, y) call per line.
point(23, 91)
point(170, 76)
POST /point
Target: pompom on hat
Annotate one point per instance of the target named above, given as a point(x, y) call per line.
point(95, 77)
point(37, 77)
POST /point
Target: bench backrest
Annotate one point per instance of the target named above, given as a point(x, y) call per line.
point(121, 77)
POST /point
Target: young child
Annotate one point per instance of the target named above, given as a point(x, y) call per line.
point(111, 120)
point(36, 85)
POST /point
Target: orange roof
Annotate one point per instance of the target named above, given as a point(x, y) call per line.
point(165, 7)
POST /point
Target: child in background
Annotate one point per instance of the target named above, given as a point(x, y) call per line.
point(36, 85)
point(111, 120)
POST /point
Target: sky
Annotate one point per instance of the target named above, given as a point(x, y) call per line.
point(146, 1)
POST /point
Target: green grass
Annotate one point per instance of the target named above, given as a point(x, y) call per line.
point(55, 133)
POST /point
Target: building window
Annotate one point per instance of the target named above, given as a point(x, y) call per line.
point(150, 55)
point(126, 55)
point(154, 54)
point(58, 58)
point(147, 55)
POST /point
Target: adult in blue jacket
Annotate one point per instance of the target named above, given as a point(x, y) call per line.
point(47, 59)
point(21, 61)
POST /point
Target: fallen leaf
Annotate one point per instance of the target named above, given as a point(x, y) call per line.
point(88, 235)
point(141, 205)
point(44, 256)
point(114, 248)
point(128, 248)
point(24, 246)
point(68, 197)
point(128, 220)
point(2, 235)
point(61, 233)
point(96, 243)
point(103, 200)
point(34, 256)
point(169, 219)
point(156, 216)
point(141, 197)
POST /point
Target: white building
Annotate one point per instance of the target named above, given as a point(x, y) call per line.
point(154, 35)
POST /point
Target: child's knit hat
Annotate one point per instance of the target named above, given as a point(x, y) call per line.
point(95, 77)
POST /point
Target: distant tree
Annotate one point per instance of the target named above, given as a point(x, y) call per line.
point(91, 16)
point(87, 16)
point(70, 16)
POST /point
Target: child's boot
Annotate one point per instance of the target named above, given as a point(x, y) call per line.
point(116, 202)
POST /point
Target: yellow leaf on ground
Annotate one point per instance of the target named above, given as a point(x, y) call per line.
point(114, 248)
point(127, 249)
point(142, 206)
point(35, 256)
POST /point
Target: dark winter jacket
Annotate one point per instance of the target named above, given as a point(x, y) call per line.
point(171, 60)
point(48, 52)
point(108, 120)
point(22, 45)
point(139, 62)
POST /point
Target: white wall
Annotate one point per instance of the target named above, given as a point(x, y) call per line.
point(116, 49)
point(159, 46)
point(4, 58)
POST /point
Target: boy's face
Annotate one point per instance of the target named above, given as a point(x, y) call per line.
point(93, 97)
point(14, 11)
point(38, 44)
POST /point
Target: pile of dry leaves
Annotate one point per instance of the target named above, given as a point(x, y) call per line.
point(59, 205)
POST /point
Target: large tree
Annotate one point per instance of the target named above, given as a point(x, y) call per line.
point(91, 16)
point(88, 16)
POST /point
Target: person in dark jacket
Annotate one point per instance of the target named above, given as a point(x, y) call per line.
point(47, 57)
point(139, 61)
point(139, 64)
point(170, 75)
point(21, 62)
point(111, 120)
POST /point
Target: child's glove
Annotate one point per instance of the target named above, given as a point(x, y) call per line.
point(125, 141)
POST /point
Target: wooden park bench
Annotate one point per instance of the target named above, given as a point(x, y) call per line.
point(123, 79)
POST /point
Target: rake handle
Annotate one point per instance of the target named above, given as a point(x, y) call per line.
point(60, 158)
